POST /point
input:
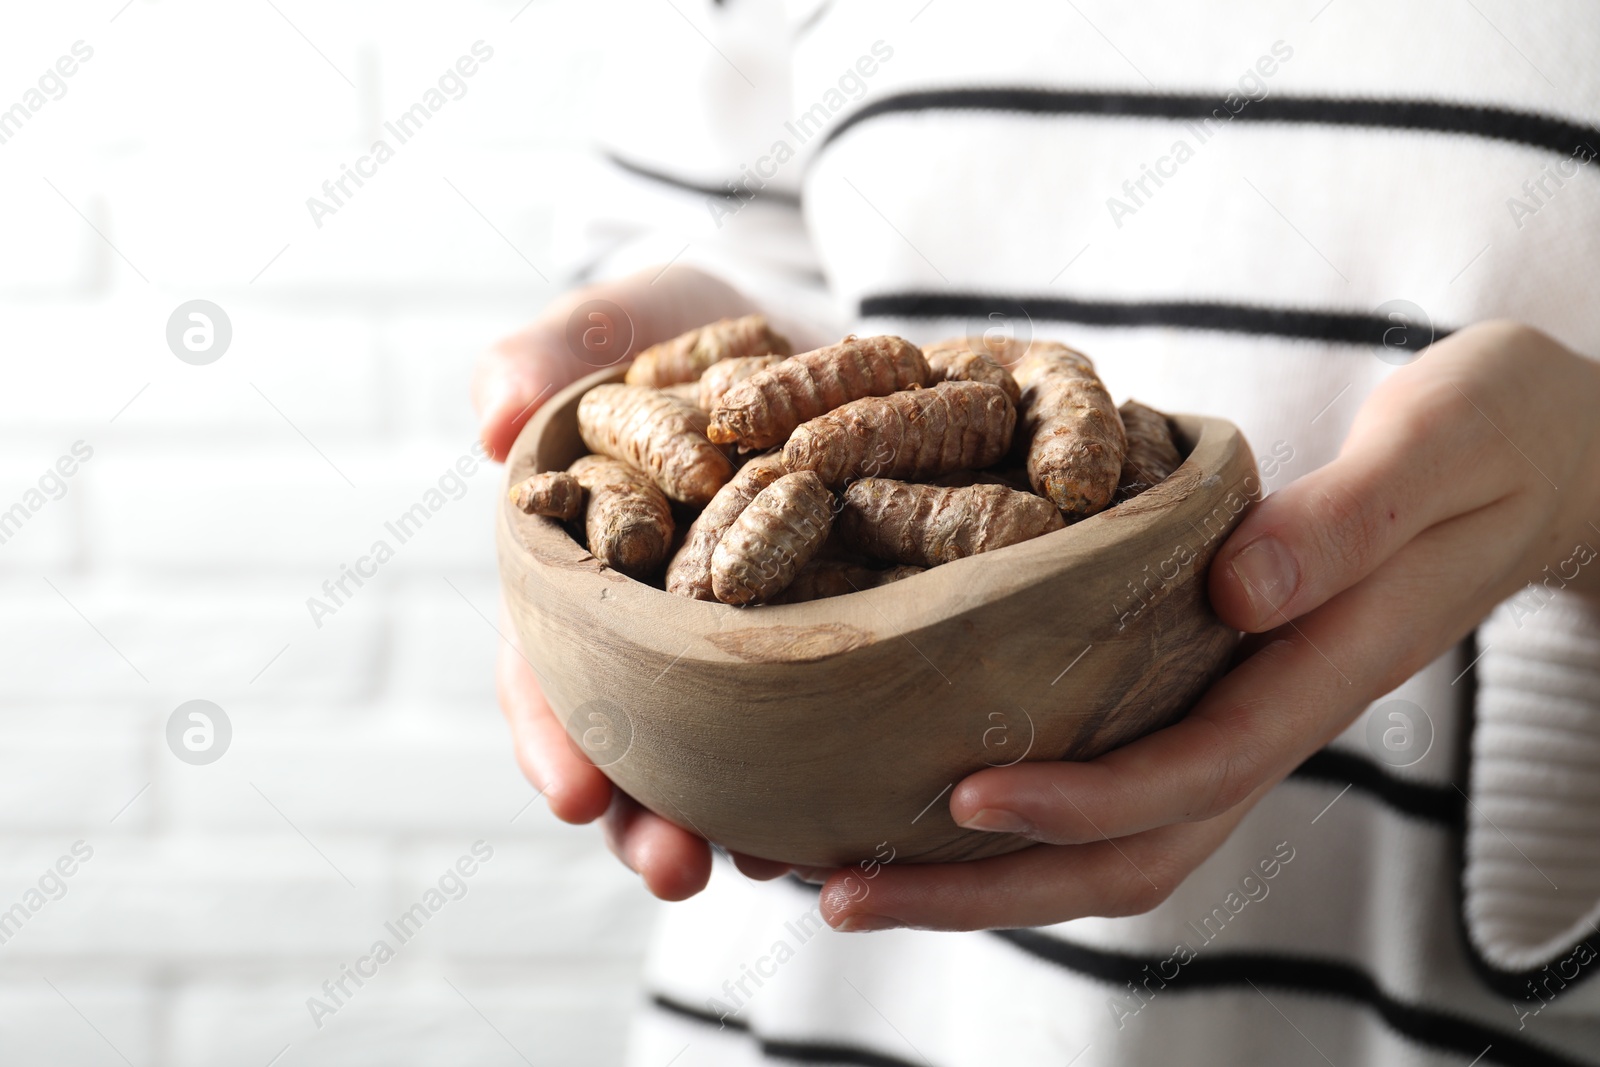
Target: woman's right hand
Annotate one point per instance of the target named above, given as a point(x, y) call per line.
point(510, 383)
point(674, 863)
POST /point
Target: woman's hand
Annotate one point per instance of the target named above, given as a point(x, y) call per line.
point(674, 863)
point(1465, 475)
point(511, 381)
point(587, 330)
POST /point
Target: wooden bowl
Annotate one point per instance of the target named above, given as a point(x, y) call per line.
point(829, 732)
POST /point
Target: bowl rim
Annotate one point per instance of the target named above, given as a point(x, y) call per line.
point(677, 627)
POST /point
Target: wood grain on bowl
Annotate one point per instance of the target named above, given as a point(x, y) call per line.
point(816, 732)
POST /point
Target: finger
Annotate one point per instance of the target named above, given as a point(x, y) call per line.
point(574, 788)
point(1266, 716)
point(510, 383)
point(1414, 459)
point(673, 863)
point(1035, 887)
point(757, 868)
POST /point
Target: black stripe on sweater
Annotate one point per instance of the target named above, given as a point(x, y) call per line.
point(1295, 975)
point(715, 192)
point(1339, 327)
point(1529, 128)
point(1444, 804)
point(772, 1048)
point(812, 19)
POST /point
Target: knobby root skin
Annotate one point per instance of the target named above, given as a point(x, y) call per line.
point(823, 578)
point(720, 377)
point(915, 434)
point(776, 535)
point(686, 357)
point(1010, 477)
point(915, 438)
point(1070, 429)
point(687, 392)
point(1152, 453)
point(971, 359)
point(689, 573)
point(628, 520)
point(660, 435)
point(1001, 350)
point(926, 525)
point(553, 494)
point(764, 409)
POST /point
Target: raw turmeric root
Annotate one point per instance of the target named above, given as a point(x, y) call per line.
point(1071, 430)
point(689, 573)
point(971, 359)
point(926, 525)
point(822, 578)
point(777, 534)
point(963, 447)
point(722, 376)
point(687, 392)
point(661, 436)
point(914, 434)
point(765, 408)
point(554, 494)
point(686, 357)
point(1010, 477)
point(628, 520)
point(1152, 455)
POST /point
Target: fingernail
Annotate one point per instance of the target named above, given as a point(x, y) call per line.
point(998, 821)
point(1269, 574)
point(861, 924)
point(814, 875)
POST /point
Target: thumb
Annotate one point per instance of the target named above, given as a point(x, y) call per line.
point(511, 381)
point(1322, 534)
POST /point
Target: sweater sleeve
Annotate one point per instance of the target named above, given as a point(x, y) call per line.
point(693, 162)
point(1532, 878)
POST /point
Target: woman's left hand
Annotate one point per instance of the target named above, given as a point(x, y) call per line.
point(1465, 475)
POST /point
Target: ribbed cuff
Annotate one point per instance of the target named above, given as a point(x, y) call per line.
point(1533, 829)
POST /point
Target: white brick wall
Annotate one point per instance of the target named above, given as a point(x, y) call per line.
point(367, 754)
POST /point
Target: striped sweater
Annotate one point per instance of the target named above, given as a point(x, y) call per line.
point(1253, 210)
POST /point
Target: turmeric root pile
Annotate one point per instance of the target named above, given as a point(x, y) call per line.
point(841, 469)
point(686, 357)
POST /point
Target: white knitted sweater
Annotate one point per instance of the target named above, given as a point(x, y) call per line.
point(1218, 202)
